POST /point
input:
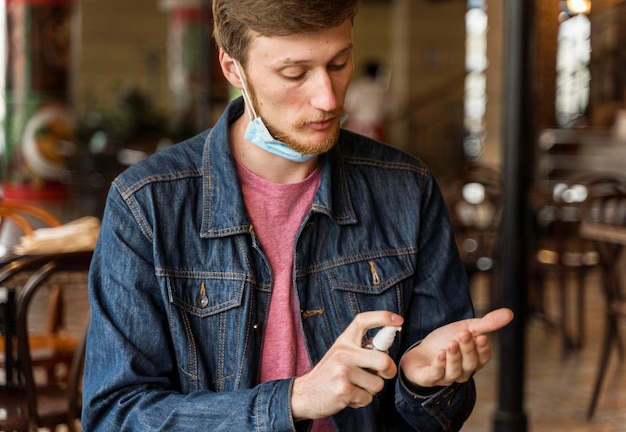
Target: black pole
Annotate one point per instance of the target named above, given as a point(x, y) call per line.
point(518, 143)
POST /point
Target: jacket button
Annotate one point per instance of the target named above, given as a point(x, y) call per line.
point(202, 301)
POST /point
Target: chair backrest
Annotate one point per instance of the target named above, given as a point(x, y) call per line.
point(560, 213)
point(13, 265)
point(605, 224)
point(28, 210)
point(26, 217)
point(48, 265)
point(17, 219)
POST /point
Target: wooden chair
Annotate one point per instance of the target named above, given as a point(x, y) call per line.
point(54, 348)
point(558, 249)
point(605, 224)
point(26, 401)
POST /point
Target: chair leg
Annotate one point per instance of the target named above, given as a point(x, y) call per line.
point(580, 339)
point(568, 343)
point(536, 301)
point(620, 345)
point(536, 306)
point(609, 338)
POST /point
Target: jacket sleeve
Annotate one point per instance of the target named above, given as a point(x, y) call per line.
point(440, 296)
point(131, 376)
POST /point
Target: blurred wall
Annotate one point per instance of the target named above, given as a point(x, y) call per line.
point(372, 35)
point(428, 49)
point(122, 43)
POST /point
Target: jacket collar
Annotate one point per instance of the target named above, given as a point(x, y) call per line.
point(224, 210)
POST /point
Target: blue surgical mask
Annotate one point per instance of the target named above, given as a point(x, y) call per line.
point(257, 132)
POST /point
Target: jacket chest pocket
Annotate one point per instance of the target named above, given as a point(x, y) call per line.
point(370, 284)
point(206, 321)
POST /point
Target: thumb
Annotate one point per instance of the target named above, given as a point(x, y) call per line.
point(491, 322)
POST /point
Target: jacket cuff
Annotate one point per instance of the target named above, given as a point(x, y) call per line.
point(448, 406)
point(274, 406)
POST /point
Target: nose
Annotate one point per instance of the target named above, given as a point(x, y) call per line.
point(323, 93)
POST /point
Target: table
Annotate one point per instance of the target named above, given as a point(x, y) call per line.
point(603, 232)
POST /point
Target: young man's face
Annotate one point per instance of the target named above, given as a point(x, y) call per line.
point(298, 84)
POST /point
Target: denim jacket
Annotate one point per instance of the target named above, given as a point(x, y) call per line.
point(180, 289)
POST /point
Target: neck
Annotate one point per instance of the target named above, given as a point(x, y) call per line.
point(264, 164)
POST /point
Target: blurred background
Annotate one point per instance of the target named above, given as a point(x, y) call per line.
point(106, 76)
point(89, 87)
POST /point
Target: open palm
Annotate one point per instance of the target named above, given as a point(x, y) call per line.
point(452, 353)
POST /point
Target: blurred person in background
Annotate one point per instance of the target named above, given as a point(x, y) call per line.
point(368, 102)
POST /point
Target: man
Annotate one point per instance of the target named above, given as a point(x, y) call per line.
point(238, 274)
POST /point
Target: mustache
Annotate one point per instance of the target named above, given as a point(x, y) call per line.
point(325, 116)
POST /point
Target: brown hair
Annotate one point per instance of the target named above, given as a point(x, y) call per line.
point(235, 21)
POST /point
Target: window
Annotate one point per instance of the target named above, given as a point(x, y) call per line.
point(572, 64)
point(476, 63)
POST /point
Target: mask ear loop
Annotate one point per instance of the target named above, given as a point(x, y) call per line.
point(246, 95)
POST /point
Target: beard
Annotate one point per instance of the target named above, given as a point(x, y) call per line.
point(307, 148)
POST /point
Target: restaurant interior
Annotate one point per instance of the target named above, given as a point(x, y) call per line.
point(517, 106)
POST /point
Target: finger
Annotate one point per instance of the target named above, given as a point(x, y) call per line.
point(469, 353)
point(359, 397)
point(483, 348)
point(437, 369)
point(363, 400)
point(454, 362)
point(491, 322)
point(370, 382)
point(378, 363)
point(353, 386)
point(368, 320)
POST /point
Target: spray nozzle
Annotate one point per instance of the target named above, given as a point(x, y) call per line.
point(384, 338)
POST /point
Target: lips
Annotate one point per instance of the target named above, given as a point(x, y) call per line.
point(322, 125)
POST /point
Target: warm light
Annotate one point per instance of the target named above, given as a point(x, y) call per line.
point(579, 6)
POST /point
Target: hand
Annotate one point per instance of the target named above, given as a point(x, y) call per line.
point(452, 353)
point(348, 374)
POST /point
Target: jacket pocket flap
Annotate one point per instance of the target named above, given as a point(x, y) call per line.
point(205, 294)
point(371, 276)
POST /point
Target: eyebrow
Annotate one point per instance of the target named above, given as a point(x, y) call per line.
point(288, 62)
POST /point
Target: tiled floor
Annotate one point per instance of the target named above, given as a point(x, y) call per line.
point(558, 389)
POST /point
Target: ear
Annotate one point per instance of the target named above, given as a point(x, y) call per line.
point(228, 69)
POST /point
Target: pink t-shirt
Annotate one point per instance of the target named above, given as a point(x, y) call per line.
point(277, 211)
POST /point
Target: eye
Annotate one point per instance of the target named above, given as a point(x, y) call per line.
point(294, 77)
point(335, 67)
point(293, 74)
